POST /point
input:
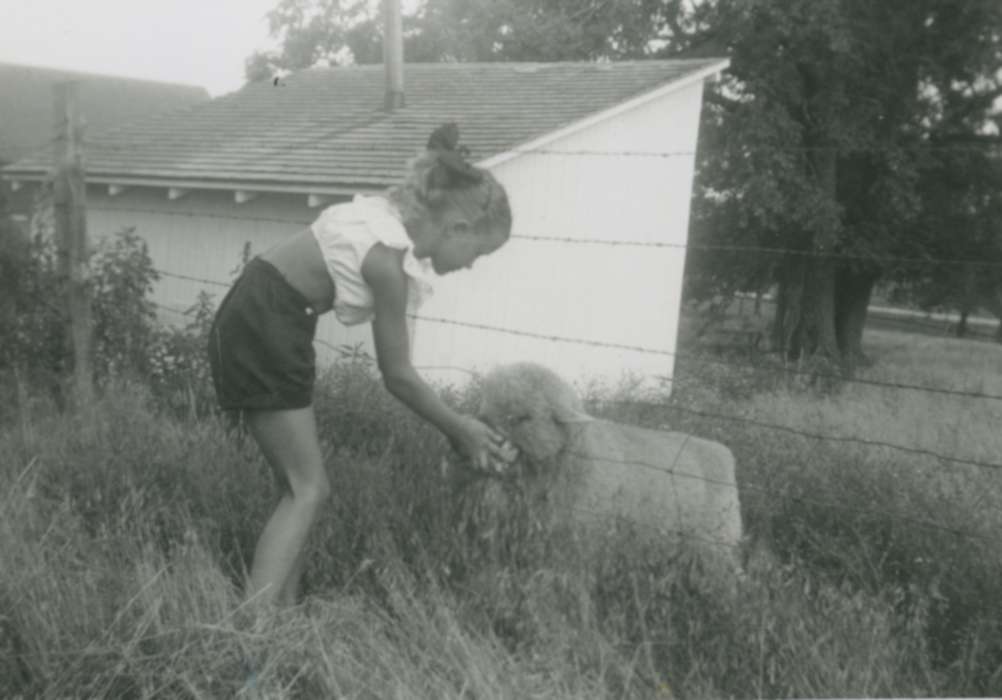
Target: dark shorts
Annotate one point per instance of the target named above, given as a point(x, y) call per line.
point(261, 343)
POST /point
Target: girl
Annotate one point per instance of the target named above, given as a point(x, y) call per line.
point(368, 260)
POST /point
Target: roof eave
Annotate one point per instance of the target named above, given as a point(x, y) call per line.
point(26, 175)
point(606, 114)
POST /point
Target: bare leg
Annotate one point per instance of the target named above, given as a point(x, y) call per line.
point(289, 442)
point(289, 595)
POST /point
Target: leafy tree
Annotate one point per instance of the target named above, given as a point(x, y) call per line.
point(820, 141)
point(315, 31)
point(962, 188)
point(336, 31)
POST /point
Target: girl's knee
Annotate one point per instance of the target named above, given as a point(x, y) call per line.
point(322, 489)
point(315, 490)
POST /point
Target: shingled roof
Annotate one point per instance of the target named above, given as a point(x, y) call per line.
point(325, 127)
point(26, 103)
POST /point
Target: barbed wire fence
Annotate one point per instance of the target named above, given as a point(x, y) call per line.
point(945, 460)
point(942, 459)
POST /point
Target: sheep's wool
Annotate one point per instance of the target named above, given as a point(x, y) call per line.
point(671, 485)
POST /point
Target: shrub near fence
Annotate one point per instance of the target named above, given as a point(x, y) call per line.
point(128, 339)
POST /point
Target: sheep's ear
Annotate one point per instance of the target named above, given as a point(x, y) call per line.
point(563, 400)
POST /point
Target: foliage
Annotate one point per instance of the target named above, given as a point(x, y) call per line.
point(125, 537)
point(177, 364)
point(124, 317)
point(31, 335)
point(128, 338)
point(820, 140)
point(337, 32)
point(963, 189)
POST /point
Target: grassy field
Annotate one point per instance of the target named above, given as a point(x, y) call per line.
point(872, 572)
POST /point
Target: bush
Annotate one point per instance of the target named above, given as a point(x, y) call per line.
point(177, 362)
point(32, 318)
point(122, 277)
point(128, 340)
point(33, 337)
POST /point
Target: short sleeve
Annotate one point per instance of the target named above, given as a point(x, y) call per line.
point(346, 233)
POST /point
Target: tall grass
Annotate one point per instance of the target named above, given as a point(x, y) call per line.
point(125, 532)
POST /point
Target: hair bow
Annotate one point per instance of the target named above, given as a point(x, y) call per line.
point(445, 142)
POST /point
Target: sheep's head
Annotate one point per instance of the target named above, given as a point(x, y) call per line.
point(533, 407)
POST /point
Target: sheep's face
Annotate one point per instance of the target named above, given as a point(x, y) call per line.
point(532, 406)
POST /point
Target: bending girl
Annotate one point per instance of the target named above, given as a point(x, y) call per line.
point(370, 260)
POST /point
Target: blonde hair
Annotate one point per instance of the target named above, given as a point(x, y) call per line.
point(433, 185)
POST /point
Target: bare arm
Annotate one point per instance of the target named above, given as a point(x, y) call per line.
point(383, 272)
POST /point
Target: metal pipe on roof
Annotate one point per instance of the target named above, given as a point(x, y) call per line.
point(393, 55)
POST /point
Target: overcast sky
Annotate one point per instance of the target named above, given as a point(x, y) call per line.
point(199, 42)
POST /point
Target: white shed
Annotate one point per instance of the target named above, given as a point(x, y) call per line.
point(598, 160)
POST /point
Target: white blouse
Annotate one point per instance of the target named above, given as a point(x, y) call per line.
point(345, 233)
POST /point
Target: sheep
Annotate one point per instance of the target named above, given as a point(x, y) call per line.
point(589, 471)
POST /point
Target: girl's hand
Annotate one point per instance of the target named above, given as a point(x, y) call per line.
point(482, 444)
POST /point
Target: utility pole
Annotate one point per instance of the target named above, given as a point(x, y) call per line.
point(69, 208)
point(393, 54)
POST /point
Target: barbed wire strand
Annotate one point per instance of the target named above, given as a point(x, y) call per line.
point(165, 307)
point(676, 354)
point(770, 250)
point(190, 278)
point(570, 240)
point(710, 360)
point(981, 464)
point(747, 486)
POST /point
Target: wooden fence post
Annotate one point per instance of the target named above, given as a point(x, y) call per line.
point(69, 209)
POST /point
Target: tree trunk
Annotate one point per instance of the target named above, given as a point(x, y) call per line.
point(968, 298)
point(992, 300)
point(819, 310)
point(806, 329)
point(789, 298)
point(960, 330)
point(853, 290)
point(805, 315)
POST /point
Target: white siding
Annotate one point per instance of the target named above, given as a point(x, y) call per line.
point(616, 294)
point(202, 235)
